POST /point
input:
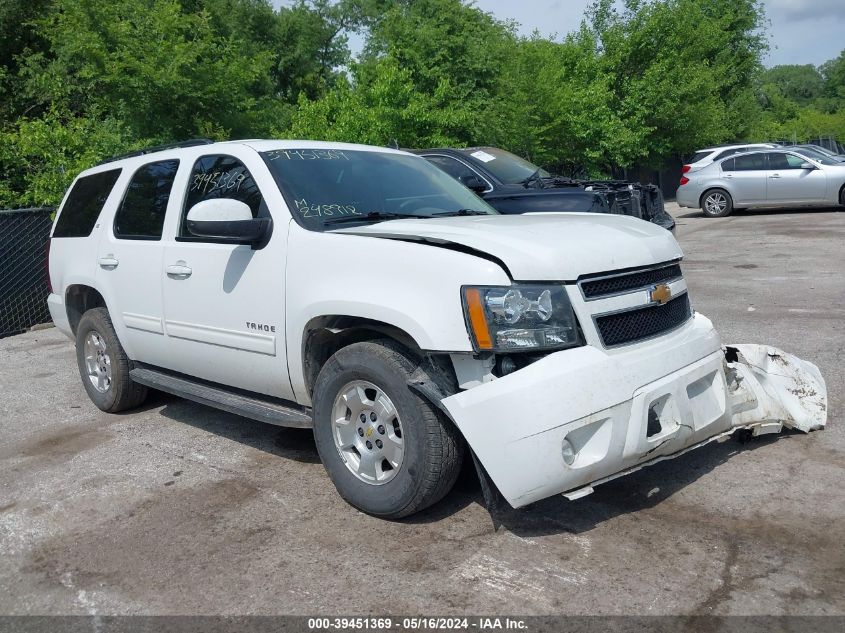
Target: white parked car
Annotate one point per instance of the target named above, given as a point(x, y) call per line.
point(765, 178)
point(362, 291)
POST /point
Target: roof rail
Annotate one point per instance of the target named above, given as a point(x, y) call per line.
point(158, 148)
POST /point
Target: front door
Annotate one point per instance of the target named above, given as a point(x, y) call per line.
point(224, 303)
point(790, 184)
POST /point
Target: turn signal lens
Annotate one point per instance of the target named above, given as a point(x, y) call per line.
point(477, 320)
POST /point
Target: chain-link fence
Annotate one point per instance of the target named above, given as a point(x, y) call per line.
point(23, 269)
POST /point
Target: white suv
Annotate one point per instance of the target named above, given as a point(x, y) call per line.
point(362, 291)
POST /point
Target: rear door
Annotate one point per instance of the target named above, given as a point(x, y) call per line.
point(224, 303)
point(129, 261)
point(788, 183)
point(746, 178)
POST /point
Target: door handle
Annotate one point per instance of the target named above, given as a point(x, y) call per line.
point(179, 270)
point(109, 262)
point(775, 176)
point(729, 176)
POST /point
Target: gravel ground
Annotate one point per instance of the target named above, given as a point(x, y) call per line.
point(180, 509)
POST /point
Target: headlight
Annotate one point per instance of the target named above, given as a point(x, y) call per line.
point(526, 317)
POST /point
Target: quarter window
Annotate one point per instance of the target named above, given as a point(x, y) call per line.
point(216, 177)
point(84, 203)
point(141, 214)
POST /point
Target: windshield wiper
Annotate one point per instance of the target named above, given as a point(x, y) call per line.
point(535, 176)
point(458, 212)
point(372, 215)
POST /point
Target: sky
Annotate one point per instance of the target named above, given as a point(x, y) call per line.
point(800, 31)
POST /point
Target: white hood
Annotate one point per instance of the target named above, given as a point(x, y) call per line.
point(543, 247)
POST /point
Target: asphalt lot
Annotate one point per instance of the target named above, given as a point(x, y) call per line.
point(178, 508)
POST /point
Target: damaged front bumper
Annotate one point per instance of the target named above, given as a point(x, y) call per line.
point(580, 417)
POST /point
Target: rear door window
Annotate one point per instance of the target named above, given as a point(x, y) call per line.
point(84, 204)
point(749, 162)
point(141, 214)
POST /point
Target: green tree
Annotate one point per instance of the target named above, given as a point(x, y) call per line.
point(193, 81)
point(387, 109)
point(833, 73)
point(801, 84)
point(681, 70)
point(40, 157)
point(18, 39)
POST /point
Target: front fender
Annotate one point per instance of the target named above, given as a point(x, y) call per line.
point(412, 286)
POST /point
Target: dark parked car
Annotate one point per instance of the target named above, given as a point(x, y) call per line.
point(513, 185)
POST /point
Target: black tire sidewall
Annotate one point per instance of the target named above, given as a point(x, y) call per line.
point(386, 499)
point(97, 320)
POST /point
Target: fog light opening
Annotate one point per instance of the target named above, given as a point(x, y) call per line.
point(568, 452)
point(654, 427)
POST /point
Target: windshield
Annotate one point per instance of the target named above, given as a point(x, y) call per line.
point(816, 156)
point(331, 188)
point(506, 167)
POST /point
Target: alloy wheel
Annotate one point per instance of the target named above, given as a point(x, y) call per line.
point(367, 432)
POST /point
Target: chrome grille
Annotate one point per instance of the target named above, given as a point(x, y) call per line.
point(637, 324)
point(608, 285)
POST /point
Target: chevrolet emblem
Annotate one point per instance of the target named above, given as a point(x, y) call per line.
point(369, 432)
point(661, 293)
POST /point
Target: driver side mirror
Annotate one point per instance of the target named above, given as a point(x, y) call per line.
point(474, 183)
point(806, 165)
point(227, 220)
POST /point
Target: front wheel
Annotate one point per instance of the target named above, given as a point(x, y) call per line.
point(716, 203)
point(389, 452)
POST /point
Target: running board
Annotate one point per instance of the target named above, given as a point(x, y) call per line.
point(253, 406)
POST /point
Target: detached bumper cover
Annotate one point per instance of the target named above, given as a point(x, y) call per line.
point(619, 412)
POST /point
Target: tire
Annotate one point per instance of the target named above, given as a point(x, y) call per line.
point(842, 196)
point(406, 475)
point(103, 365)
point(716, 203)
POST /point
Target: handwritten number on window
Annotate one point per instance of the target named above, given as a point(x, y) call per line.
point(324, 210)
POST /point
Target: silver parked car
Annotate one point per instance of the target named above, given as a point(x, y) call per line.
point(704, 157)
point(768, 178)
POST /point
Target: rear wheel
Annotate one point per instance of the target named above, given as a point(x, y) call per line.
point(103, 365)
point(388, 451)
point(716, 203)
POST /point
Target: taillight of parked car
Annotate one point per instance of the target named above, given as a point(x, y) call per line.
point(47, 266)
point(685, 168)
point(684, 180)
